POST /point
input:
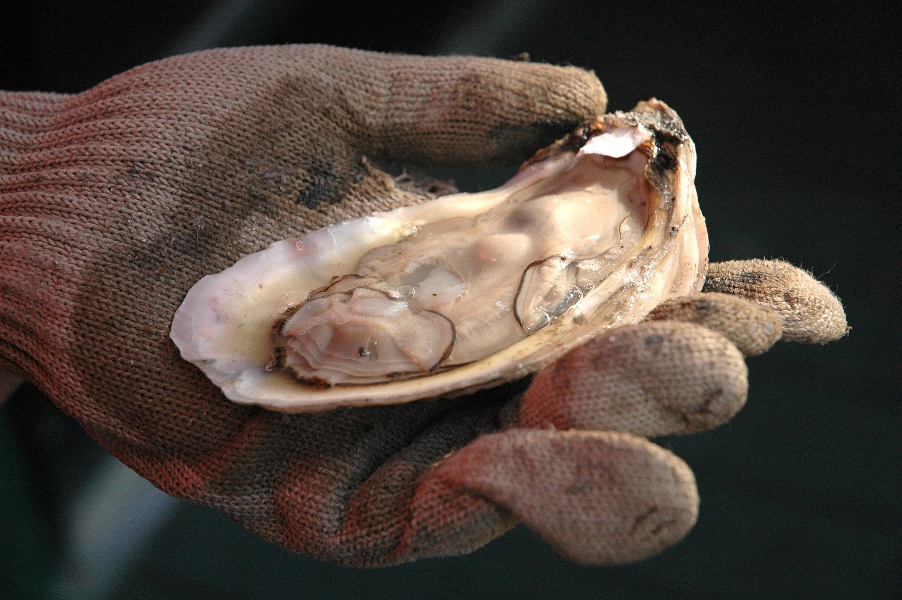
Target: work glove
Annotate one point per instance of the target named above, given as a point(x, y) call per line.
point(115, 201)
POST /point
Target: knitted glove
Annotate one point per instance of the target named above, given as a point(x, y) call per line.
point(113, 202)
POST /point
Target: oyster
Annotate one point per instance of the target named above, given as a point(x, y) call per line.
point(463, 292)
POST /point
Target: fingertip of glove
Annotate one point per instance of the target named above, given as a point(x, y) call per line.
point(811, 313)
point(583, 87)
point(577, 87)
point(537, 103)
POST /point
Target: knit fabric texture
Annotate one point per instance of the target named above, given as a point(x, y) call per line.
point(115, 201)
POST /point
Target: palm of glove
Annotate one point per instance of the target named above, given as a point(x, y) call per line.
point(115, 201)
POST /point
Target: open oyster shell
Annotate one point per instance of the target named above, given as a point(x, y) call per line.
point(464, 292)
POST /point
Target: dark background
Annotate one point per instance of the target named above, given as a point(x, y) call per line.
point(795, 115)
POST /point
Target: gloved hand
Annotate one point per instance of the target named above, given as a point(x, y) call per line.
point(115, 201)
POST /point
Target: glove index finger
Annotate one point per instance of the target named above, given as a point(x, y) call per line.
point(811, 313)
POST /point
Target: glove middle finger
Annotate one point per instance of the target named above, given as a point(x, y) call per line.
point(652, 378)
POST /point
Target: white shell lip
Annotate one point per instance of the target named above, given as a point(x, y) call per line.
point(224, 324)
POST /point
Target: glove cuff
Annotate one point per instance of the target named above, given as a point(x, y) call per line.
point(30, 124)
point(32, 239)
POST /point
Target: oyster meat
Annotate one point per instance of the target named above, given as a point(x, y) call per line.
point(463, 292)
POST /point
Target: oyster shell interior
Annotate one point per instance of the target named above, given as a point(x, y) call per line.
point(463, 292)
